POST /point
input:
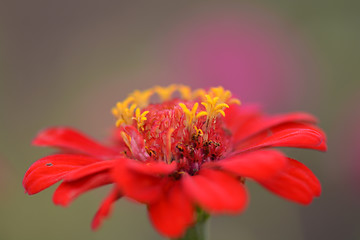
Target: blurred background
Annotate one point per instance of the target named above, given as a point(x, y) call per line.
point(68, 62)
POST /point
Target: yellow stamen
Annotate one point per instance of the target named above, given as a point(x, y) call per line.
point(185, 92)
point(199, 93)
point(141, 98)
point(123, 113)
point(224, 95)
point(140, 118)
point(190, 115)
point(213, 108)
point(165, 92)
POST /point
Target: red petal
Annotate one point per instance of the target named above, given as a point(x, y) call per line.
point(297, 183)
point(216, 191)
point(259, 123)
point(71, 140)
point(294, 137)
point(49, 170)
point(152, 168)
point(69, 191)
point(173, 213)
point(141, 181)
point(240, 117)
point(257, 165)
point(302, 172)
point(294, 125)
point(88, 170)
point(105, 208)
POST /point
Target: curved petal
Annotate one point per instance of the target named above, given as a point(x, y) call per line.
point(152, 167)
point(142, 182)
point(297, 183)
point(89, 170)
point(257, 165)
point(240, 117)
point(71, 140)
point(215, 191)
point(293, 137)
point(173, 213)
point(69, 191)
point(105, 208)
point(259, 123)
point(49, 170)
point(300, 171)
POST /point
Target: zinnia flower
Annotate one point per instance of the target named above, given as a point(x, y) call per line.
point(184, 157)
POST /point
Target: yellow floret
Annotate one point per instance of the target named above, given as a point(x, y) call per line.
point(213, 108)
point(165, 92)
point(140, 118)
point(185, 92)
point(141, 98)
point(224, 95)
point(123, 113)
point(191, 115)
point(199, 93)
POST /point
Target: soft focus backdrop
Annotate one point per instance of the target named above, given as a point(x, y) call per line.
point(68, 62)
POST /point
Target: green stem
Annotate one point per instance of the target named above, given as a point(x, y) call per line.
point(198, 231)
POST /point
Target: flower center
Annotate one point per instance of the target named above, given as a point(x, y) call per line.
point(178, 129)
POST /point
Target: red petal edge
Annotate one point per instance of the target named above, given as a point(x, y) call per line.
point(105, 208)
point(51, 169)
point(67, 192)
point(142, 182)
point(258, 165)
point(256, 123)
point(297, 183)
point(215, 191)
point(292, 137)
point(72, 140)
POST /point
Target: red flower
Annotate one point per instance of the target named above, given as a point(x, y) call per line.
point(177, 155)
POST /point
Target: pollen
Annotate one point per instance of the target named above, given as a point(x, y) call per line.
point(165, 93)
point(140, 118)
point(213, 108)
point(123, 112)
point(198, 131)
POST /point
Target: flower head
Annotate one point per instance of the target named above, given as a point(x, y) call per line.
point(181, 154)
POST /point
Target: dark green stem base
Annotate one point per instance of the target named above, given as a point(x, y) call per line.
point(198, 231)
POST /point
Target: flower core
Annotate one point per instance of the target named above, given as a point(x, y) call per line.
point(187, 129)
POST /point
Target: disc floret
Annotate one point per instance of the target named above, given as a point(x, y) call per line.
point(177, 129)
point(141, 98)
point(165, 92)
point(191, 115)
point(213, 108)
point(140, 118)
point(223, 95)
point(123, 112)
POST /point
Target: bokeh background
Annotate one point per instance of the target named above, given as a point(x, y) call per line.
point(68, 62)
